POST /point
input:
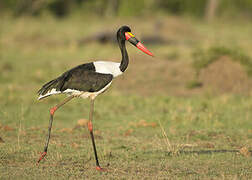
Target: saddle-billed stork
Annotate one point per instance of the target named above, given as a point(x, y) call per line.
point(89, 80)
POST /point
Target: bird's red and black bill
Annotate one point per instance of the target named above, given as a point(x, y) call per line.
point(131, 38)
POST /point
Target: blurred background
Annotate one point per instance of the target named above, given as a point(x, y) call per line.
point(201, 46)
point(61, 8)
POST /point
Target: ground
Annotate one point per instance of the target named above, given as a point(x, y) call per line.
point(148, 125)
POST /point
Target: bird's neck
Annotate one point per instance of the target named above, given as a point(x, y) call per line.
point(125, 58)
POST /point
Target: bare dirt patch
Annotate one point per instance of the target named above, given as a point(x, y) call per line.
point(156, 76)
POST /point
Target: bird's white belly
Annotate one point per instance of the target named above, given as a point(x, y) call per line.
point(85, 95)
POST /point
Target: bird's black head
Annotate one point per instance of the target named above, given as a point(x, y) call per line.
point(124, 33)
point(121, 32)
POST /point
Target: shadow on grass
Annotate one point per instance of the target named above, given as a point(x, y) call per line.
point(199, 152)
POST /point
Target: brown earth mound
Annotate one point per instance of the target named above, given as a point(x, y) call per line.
point(225, 76)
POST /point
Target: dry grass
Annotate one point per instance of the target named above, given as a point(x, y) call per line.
point(149, 125)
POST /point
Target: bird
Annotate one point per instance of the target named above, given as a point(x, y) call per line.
point(88, 81)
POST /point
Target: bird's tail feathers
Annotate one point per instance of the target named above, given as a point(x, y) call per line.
point(52, 87)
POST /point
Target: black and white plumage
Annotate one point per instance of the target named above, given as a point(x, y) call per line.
point(86, 80)
point(89, 80)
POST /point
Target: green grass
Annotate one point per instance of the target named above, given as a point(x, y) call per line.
point(138, 137)
point(195, 128)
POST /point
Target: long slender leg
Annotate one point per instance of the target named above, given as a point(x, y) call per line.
point(52, 111)
point(90, 128)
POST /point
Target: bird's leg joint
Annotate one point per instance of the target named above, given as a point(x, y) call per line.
point(90, 126)
point(53, 109)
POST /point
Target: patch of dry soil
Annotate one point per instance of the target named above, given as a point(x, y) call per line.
point(152, 76)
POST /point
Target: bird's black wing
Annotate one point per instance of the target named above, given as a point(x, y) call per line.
point(87, 81)
point(81, 78)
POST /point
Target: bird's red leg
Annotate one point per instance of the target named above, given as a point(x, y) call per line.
point(52, 111)
point(90, 128)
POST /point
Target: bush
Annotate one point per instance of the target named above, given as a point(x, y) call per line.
point(60, 8)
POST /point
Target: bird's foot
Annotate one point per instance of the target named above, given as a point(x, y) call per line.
point(98, 168)
point(42, 156)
